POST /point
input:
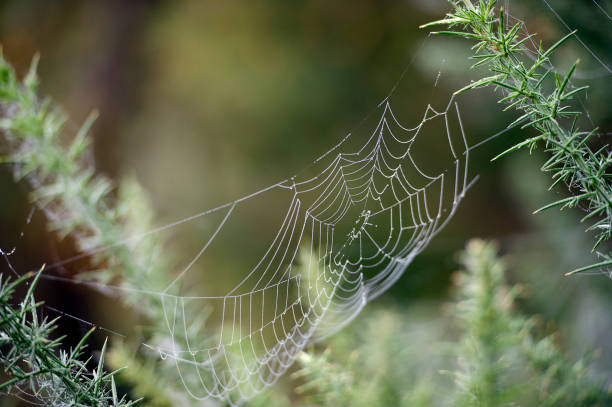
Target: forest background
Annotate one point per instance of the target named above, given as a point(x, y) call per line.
point(202, 102)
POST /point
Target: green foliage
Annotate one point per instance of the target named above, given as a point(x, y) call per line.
point(34, 360)
point(327, 382)
point(524, 83)
point(497, 358)
point(500, 360)
point(491, 334)
point(76, 200)
point(143, 376)
point(101, 220)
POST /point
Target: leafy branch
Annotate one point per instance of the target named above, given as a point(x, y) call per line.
point(524, 81)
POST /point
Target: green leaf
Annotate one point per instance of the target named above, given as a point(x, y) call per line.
point(459, 34)
point(446, 21)
point(479, 83)
point(529, 141)
point(591, 267)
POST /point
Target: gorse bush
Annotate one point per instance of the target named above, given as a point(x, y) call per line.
point(500, 360)
point(66, 187)
point(398, 360)
point(86, 206)
point(525, 82)
point(40, 370)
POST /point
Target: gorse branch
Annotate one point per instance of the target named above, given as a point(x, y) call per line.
point(102, 219)
point(326, 382)
point(66, 187)
point(33, 360)
point(524, 81)
point(500, 360)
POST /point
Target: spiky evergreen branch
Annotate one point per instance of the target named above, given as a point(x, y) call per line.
point(76, 200)
point(499, 360)
point(523, 81)
point(35, 363)
point(102, 219)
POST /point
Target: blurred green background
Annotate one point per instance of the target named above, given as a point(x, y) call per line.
point(203, 102)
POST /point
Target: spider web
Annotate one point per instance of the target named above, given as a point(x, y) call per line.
point(346, 234)
point(348, 227)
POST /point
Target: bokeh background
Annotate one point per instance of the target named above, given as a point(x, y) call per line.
point(205, 101)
